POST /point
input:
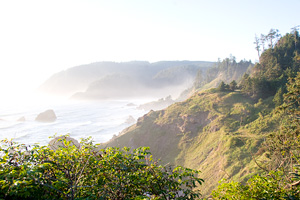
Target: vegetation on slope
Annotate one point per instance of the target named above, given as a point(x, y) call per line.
point(223, 133)
point(276, 65)
point(226, 71)
point(281, 178)
point(249, 138)
point(212, 131)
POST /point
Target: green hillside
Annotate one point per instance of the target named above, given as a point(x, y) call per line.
point(215, 132)
point(223, 133)
point(227, 70)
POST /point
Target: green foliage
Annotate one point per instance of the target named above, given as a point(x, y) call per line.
point(291, 98)
point(271, 186)
point(220, 133)
point(233, 85)
point(284, 145)
point(225, 87)
point(222, 87)
point(207, 132)
point(90, 173)
point(227, 70)
point(257, 87)
point(278, 98)
point(283, 150)
point(276, 64)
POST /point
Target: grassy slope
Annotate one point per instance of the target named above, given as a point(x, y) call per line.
point(216, 132)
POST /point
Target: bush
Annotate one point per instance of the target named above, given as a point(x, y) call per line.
point(88, 172)
point(270, 186)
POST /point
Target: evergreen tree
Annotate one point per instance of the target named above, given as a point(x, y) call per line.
point(278, 98)
point(233, 85)
point(222, 87)
point(257, 45)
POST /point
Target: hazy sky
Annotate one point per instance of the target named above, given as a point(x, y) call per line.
point(39, 38)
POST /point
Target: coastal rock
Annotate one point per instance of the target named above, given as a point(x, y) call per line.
point(130, 104)
point(130, 120)
point(47, 116)
point(57, 142)
point(157, 105)
point(21, 119)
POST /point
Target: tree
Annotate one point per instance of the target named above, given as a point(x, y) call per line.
point(292, 97)
point(199, 80)
point(232, 59)
point(282, 178)
point(90, 173)
point(278, 98)
point(272, 36)
point(222, 86)
point(233, 85)
point(257, 45)
point(295, 32)
point(263, 40)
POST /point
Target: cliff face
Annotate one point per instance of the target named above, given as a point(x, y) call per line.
point(211, 131)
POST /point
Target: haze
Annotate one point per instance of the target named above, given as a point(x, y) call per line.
point(39, 38)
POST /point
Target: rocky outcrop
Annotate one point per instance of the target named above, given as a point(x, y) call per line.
point(21, 119)
point(58, 142)
point(130, 120)
point(47, 116)
point(130, 104)
point(190, 123)
point(157, 105)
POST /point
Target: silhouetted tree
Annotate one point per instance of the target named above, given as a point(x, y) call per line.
point(263, 40)
point(272, 36)
point(295, 32)
point(257, 45)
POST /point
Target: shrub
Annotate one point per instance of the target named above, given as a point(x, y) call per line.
point(270, 186)
point(69, 172)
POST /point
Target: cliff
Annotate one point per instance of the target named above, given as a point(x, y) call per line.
point(215, 132)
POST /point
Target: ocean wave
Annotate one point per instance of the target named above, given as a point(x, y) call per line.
point(101, 121)
point(7, 125)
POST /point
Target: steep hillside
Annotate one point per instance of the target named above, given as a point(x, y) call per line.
point(215, 132)
point(219, 131)
point(226, 70)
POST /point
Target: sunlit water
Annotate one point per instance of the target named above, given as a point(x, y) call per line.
point(100, 120)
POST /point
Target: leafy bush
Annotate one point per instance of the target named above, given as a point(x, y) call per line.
point(37, 172)
point(271, 186)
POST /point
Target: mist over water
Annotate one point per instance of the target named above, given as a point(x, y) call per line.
point(88, 101)
point(98, 119)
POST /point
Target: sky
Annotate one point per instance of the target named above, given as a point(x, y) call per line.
point(41, 37)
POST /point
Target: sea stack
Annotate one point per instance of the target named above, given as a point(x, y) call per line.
point(47, 116)
point(130, 120)
point(22, 119)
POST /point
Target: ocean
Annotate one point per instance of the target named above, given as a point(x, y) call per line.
point(101, 120)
